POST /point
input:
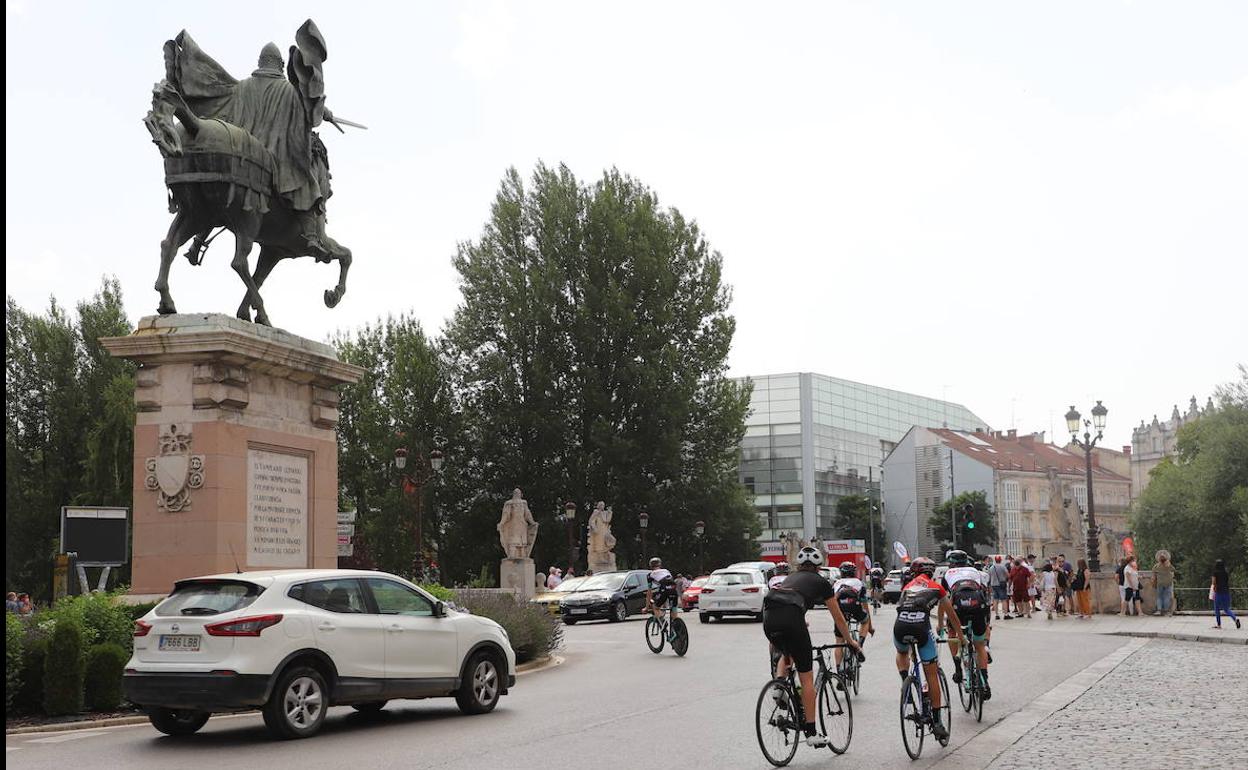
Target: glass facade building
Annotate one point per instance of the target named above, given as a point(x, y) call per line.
point(812, 439)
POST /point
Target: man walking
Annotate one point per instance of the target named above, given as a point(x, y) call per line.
point(998, 577)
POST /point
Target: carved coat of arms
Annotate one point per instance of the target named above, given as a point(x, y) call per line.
point(175, 471)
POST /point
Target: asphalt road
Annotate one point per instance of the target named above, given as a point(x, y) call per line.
point(613, 704)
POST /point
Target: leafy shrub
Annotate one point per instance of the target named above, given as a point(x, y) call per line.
point(106, 663)
point(441, 593)
point(62, 670)
point(101, 617)
point(532, 631)
point(482, 579)
point(13, 655)
point(30, 691)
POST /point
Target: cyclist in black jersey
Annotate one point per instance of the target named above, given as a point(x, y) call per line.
point(784, 623)
point(914, 608)
point(968, 593)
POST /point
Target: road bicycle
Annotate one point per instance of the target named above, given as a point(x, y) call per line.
point(971, 688)
point(779, 715)
point(668, 629)
point(850, 669)
point(917, 714)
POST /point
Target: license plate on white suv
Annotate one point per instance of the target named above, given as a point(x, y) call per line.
point(179, 643)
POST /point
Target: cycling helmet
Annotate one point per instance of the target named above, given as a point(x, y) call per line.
point(877, 572)
point(957, 558)
point(656, 562)
point(782, 568)
point(848, 569)
point(809, 555)
point(922, 566)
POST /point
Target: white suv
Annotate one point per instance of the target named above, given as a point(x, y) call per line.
point(732, 591)
point(294, 642)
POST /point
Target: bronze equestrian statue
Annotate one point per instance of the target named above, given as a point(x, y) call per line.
point(244, 156)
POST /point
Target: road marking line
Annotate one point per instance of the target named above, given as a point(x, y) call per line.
point(983, 749)
point(66, 737)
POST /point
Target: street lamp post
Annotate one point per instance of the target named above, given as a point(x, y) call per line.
point(413, 485)
point(699, 529)
point(643, 523)
point(1073, 420)
point(568, 517)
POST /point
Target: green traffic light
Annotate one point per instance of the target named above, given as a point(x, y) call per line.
point(970, 525)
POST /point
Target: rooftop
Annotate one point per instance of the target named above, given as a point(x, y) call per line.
point(1029, 452)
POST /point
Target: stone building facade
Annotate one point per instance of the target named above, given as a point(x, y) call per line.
point(1153, 442)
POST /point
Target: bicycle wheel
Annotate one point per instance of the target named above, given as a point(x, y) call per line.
point(857, 669)
point(836, 715)
point(965, 693)
point(774, 722)
point(944, 713)
point(680, 637)
point(979, 696)
point(655, 637)
point(912, 727)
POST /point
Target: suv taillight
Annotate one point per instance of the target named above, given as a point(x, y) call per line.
point(251, 626)
point(141, 628)
point(750, 590)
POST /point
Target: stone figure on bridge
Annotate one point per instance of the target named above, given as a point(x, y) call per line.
point(516, 529)
point(244, 155)
point(1058, 520)
point(601, 555)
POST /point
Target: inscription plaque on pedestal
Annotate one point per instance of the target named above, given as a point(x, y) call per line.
point(277, 509)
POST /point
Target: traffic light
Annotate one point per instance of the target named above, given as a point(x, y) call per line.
point(968, 515)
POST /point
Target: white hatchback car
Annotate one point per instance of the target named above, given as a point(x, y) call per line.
point(295, 642)
point(732, 591)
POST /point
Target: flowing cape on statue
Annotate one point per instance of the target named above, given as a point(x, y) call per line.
point(277, 111)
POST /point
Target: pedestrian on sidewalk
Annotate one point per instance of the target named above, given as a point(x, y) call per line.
point(1063, 585)
point(998, 581)
point(1131, 581)
point(1048, 581)
point(10, 603)
point(1033, 589)
point(1163, 584)
point(1020, 582)
point(1122, 586)
point(1220, 590)
point(1082, 588)
point(1068, 601)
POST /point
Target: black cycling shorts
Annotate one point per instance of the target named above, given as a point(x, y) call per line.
point(663, 597)
point(977, 617)
point(853, 611)
point(785, 627)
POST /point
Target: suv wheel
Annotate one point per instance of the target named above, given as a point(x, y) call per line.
point(619, 612)
point(296, 709)
point(176, 721)
point(481, 686)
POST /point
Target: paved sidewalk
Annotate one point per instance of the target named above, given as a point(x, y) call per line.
point(1191, 628)
point(1170, 704)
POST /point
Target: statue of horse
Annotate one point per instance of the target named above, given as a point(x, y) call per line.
point(219, 175)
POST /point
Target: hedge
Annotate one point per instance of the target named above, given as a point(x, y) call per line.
point(63, 671)
point(532, 631)
point(106, 664)
point(13, 633)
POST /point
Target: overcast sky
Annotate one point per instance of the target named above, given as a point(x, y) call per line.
point(1017, 207)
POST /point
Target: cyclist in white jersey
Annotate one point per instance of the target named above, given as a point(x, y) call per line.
point(851, 595)
point(660, 588)
point(969, 592)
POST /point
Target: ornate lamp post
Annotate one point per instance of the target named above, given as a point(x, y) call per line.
point(568, 517)
point(413, 484)
point(699, 529)
point(1073, 420)
point(643, 523)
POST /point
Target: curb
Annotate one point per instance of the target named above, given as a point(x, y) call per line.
point(983, 749)
point(1182, 637)
point(541, 664)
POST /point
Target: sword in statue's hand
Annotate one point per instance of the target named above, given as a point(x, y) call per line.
point(336, 121)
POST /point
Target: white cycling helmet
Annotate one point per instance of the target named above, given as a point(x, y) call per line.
point(809, 555)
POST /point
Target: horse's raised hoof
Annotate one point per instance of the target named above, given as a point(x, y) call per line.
point(166, 308)
point(332, 297)
point(262, 319)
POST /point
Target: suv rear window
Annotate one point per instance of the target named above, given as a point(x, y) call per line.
point(730, 579)
point(209, 597)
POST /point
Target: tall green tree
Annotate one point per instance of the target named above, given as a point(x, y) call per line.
point(1196, 503)
point(68, 426)
point(854, 519)
point(978, 541)
point(589, 356)
point(402, 401)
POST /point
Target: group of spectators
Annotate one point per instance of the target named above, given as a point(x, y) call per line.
point(18, 604)
point(1020, 587)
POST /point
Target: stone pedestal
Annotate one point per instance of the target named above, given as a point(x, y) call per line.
point(602, 562)
point(235, 452)
point(1105, 598)
point(518, 575)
